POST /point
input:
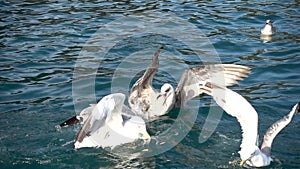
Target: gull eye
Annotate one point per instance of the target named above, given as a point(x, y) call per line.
point(167, 90)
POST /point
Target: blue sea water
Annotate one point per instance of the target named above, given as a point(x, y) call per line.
point(59, 56)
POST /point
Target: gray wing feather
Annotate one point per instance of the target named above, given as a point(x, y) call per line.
point(127, 111)
point(275, 129)
point(90, 124)
point(220, 75)
point(108, 108)
point(143, 85)
point(146, 79)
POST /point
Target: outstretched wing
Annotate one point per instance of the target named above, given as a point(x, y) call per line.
point(220, 75)
point(81, 118)
point(237, 106)
point(146, 80)
point(95, 120)
point(276, 128)
point(139, 93)
point(108, 108)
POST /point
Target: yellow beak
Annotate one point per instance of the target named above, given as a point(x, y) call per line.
point(243, 162)
point(147, 136)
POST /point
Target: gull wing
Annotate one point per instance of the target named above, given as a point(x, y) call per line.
point(214, 74)
point(108, 108)
point(237, 106)
point(275, 129)
point(138, 97)
point(81, 118)
point(146, 80)
point(71, 121)
point(95, 120)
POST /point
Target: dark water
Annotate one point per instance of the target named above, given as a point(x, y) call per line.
point(47, 48)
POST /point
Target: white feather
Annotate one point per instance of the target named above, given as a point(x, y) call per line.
point(237, 106)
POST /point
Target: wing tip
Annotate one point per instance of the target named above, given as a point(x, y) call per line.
point(297, 110)
point(73, 120)
point(155, 62)
point(162, 47)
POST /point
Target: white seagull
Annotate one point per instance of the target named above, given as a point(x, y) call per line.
point(268, 29)
point(237, 106)
point(150, 104)
point(108, 124)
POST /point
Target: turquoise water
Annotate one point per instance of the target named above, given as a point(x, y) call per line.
point(42, 43)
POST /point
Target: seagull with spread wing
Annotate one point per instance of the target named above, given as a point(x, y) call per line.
point(237, 106)
point(108, 124)
point(150, 104)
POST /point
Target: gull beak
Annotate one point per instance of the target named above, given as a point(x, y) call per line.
point(243, 162)
point(159, 95)
point(147, 136)
point(164, 96)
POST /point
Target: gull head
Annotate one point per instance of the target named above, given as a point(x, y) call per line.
point(269, 22)
point(247, 151)
point(257, 159)
point(136, 128)
point(168, 94)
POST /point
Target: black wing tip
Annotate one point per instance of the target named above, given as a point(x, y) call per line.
point(159, 50)
point(298, 107)
point(155, 61)
point(71, 121)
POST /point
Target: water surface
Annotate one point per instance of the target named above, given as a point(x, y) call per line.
point(42, 41)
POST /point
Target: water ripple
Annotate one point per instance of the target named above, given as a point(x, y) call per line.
point(41, 41)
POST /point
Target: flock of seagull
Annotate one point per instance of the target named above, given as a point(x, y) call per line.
point(110, 122)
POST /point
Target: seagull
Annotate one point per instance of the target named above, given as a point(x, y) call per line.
point(237, 106)
point(108, 124)
point(268, 29)
point(149, 103)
